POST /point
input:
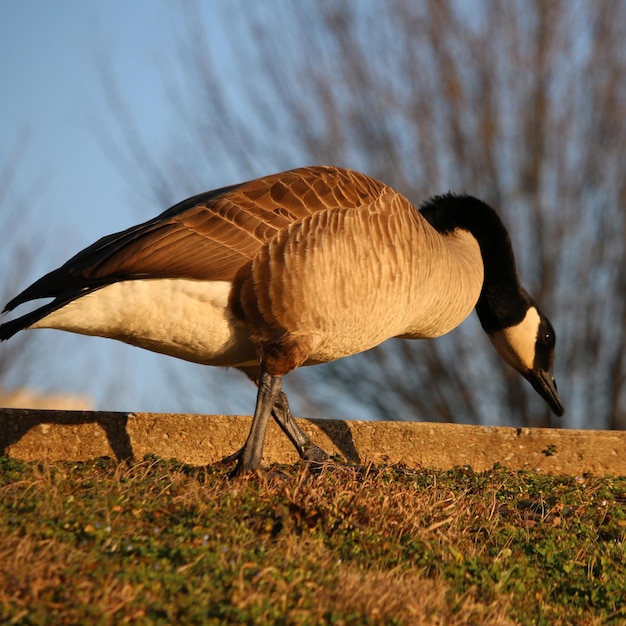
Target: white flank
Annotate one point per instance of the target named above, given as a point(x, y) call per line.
point(182, 318)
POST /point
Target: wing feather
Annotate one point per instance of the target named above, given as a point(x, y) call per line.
point(209, 236)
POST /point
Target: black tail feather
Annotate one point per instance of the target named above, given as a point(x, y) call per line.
point(48, 286)
point(8, 329)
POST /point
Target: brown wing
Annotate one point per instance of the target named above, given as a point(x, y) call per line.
point(206, 237)
point(209, 236)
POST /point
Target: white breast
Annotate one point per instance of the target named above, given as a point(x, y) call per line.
point(187, 319)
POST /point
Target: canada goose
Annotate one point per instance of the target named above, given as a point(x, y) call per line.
point(298, 268)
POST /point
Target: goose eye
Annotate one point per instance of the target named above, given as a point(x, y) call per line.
point(547, 338)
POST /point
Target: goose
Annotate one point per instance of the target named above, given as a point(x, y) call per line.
point(298, 268)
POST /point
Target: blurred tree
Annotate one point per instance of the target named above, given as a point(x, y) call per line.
point(521, 103)
point(20, 238)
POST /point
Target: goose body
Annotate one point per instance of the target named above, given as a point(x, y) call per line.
point(298, 268)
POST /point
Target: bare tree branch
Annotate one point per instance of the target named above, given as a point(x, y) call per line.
point(498, 99)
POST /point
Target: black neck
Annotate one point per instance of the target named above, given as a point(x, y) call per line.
point(502, 299)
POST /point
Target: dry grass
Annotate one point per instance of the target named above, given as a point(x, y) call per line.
point(161, 543)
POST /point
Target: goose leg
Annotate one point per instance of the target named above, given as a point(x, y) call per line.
point(303, 444)
point(249, 457)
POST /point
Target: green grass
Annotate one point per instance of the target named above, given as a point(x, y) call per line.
point(164, 543)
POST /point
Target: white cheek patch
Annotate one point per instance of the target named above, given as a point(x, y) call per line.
point(516, 344)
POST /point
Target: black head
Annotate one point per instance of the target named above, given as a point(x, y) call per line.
point(520, 332)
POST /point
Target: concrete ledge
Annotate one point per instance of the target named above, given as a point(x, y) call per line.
point(30, 434)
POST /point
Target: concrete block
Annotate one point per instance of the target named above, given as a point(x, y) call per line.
point(33, 434)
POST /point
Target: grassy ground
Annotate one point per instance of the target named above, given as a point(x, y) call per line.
point(162, 543)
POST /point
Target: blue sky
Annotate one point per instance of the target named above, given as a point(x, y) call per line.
point(52, 97)
point(52, 106)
